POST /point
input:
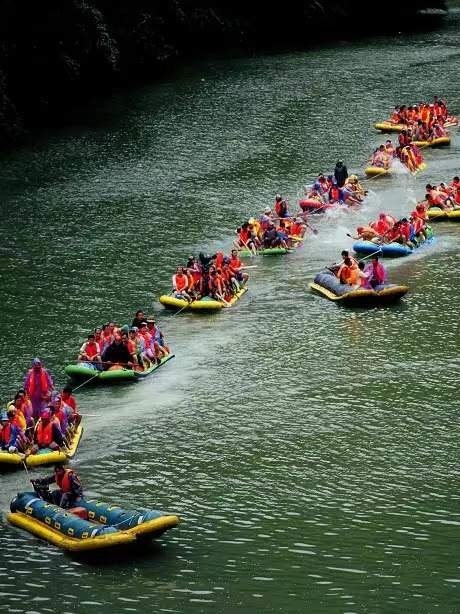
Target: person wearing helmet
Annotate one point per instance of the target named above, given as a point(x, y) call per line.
point(9, 435)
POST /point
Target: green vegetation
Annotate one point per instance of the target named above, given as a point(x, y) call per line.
point(53, 52)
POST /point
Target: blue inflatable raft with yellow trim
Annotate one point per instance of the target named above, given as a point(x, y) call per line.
point(327, 284)
point(391, 250)
point(105, 525)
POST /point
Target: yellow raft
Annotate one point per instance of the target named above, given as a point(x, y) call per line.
point(45, 456)
point(442, 141)
point(203, 305)
point(389, 127)
point(438, 215)
point(375, 171)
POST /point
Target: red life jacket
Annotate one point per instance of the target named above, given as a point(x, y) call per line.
point(405, 230)
point(235, 263)
point(5, 434)
point(181, 282)
point(33, 382)
point(91, 350)
point(220, 255)
point(63, 481)
point(335, 194)
point(244, 236)
point(44, 436)
point(280, 207)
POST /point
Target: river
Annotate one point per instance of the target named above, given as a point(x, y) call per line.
point(311, 451)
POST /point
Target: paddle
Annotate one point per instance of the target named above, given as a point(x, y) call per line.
point(379, 251)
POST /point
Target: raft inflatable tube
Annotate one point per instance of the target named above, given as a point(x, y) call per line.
point(272, 251)
point(85, 371)
point(106, 526)
point(442, 141)
point(326, 284)
point(310, 205)
point(204, 305)
point(389, 127)
point(438, 215)
point(45, 456)
point(390, 250)
point(269, 251)
point(373, 171)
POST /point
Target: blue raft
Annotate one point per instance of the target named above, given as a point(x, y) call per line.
point(105, 525)
point(390, 250)
point(327, 284)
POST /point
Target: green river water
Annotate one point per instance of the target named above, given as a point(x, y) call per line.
point(311, 451)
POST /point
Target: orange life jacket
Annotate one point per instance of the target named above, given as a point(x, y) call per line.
point(235, 263)
point(353, 278)
point(180, 281)
point(63, 481)
point(44, 436)
point(33, 382)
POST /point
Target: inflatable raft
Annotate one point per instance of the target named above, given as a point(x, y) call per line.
point(310, 205)
point(102, 525)
point(390, 250)
point(327, 284)
point(389, 127)
point(374, 171)
point(45, 456)
point(438, 215)
point(84, 371)
point(204, 305)
point(442, 141)
point(272, 251)
point(269, 251)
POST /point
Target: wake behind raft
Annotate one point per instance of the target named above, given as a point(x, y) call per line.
point(328, 285)
point(92, 526)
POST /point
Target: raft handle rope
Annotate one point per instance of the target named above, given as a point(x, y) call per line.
point(88, 380)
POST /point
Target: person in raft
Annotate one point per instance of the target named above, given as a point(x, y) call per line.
point(116, 355)
point(10, 435)
point(47, 433)
point(38, 385)
point(376, 272)
point(90, 351)
point(356, 275)
point(340, 173)
point(69, 490)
